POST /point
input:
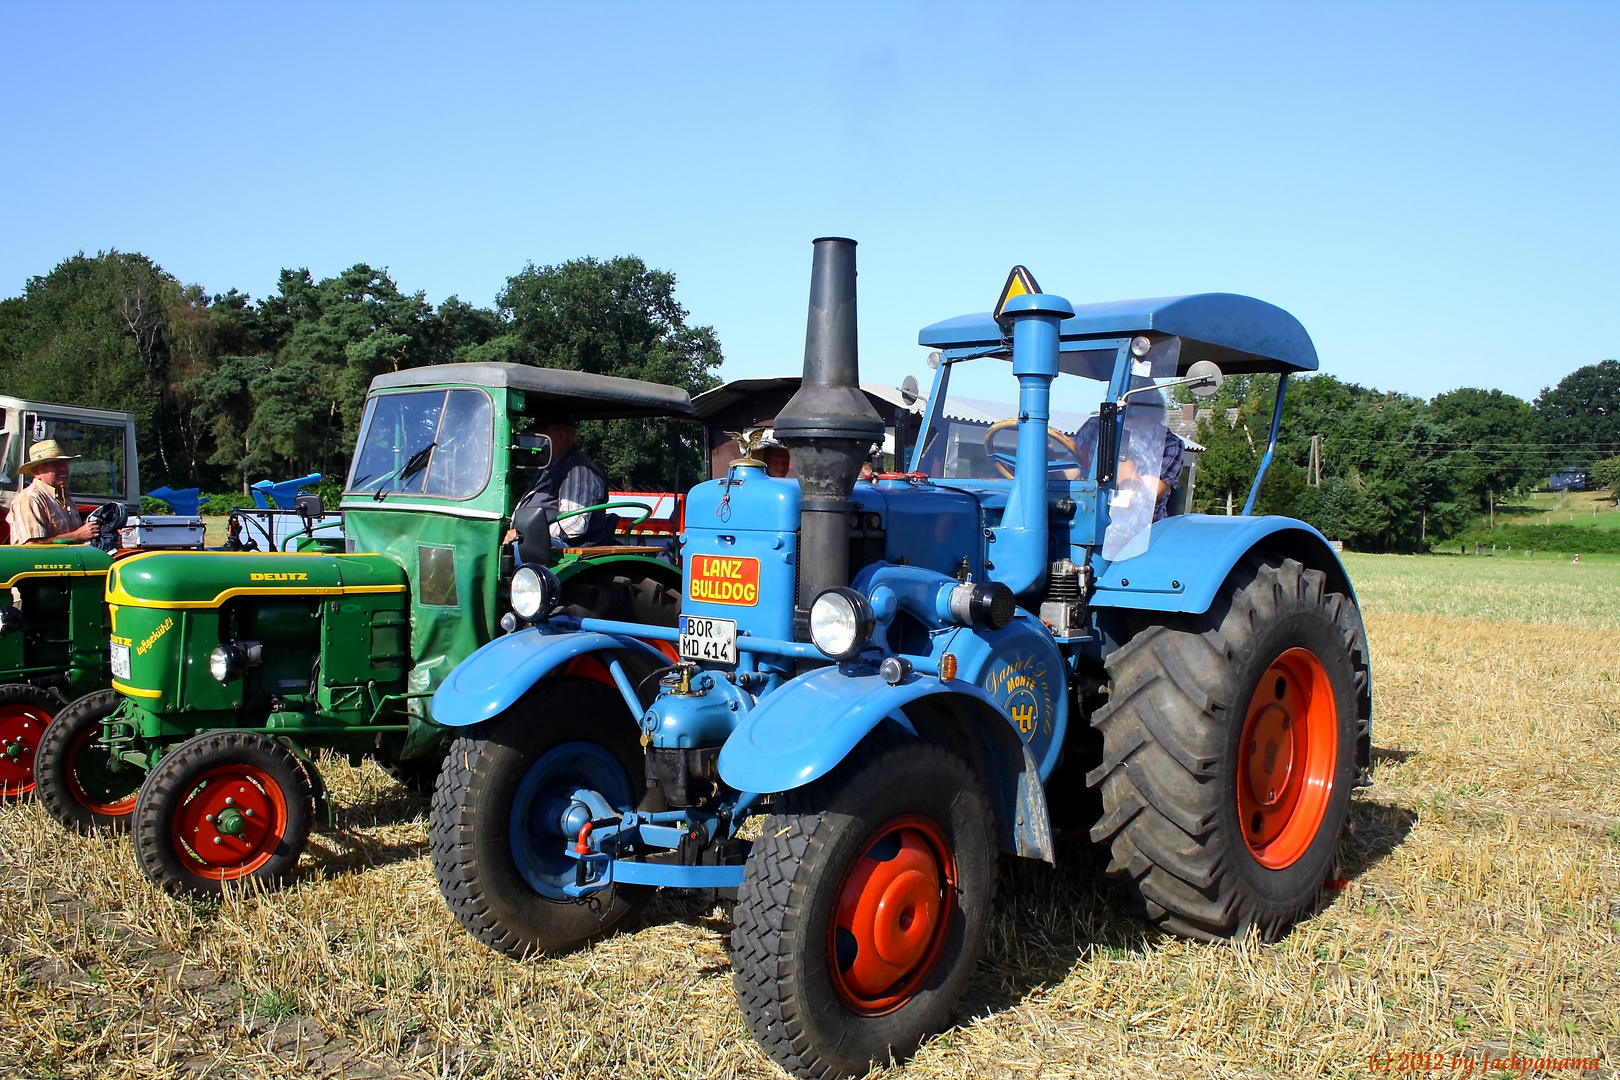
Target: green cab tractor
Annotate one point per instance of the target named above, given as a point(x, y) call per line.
point(231, 669)
point(53, 622)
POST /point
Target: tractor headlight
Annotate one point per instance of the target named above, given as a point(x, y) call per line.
point(227, 663)
point(11, 621)
point(534, 592)
point(841, 622)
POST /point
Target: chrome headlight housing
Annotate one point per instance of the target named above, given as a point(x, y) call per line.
point(11, 620)
point(534, 592)
point(227, 663)
point(841, 622)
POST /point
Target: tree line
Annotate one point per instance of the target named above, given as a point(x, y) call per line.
point(1393, 472)
point(228, 390)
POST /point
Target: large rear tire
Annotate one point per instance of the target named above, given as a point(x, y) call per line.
point(25, 712)
point(864, 909)
point(81, 786)
point(222, 806)
point(498, 856)
point(1229, 752)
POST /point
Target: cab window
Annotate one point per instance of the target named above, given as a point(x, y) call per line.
point(99, 448)
point(425, 442)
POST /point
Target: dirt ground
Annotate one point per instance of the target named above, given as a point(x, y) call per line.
point(1480, 920)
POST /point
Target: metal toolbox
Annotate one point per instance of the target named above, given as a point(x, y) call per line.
point(165, 531)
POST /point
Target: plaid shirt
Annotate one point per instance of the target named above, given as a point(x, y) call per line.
point(37, 514)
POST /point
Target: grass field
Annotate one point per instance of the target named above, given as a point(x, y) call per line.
point(1482, 915)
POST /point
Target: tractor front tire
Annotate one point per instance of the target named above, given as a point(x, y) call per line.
point(25, 712)
point(500, 867)
point(1229, 752)
point(82, 787)
point(863, 910)
point(222, 806)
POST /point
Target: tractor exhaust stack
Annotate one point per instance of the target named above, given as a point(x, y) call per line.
point(828, 426)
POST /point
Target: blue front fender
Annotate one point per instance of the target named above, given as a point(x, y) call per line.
point(803, 730)
point(491, 679)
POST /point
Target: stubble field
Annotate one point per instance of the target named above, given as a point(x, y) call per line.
point(1481, 916)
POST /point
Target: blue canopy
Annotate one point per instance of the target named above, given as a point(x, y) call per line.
point(1241, 334)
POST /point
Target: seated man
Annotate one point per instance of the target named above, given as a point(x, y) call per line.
point(1161, 486)
point(572, 482)
point(44, 510)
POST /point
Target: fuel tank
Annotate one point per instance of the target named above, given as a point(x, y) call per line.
point(740, 551)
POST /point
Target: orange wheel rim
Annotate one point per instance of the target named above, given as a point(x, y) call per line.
point(104, 800)
point(230, 823)
point(20, 729)
point(893, 911)
point(1287, 759)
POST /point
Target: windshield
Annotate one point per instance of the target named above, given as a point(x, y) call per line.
point(424, 442)
point(99, 448)
point(976, 437)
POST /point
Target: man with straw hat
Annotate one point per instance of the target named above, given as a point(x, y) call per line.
point(43, 510)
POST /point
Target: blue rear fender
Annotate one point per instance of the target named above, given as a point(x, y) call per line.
point(490, 680)
point(1190, 555)
point(802, 731)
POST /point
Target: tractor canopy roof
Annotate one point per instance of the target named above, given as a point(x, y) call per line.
point(1243, 335)
point(588, 397)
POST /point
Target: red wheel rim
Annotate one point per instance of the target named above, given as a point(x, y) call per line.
point(894, 908)
point(1287, 759)
point(230, 823)
point(97, 802)
point(20, 729)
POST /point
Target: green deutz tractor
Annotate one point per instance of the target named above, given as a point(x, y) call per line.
point(230, 669)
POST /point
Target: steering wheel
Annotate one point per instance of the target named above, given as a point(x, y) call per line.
point(1005, 463)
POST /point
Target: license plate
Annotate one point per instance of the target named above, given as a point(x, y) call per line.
point(120, 661)
point(714, 640)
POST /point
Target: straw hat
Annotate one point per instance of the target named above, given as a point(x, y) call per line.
point(46, 450)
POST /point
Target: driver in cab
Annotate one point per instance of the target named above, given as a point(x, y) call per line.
point(44, 511)
point(570, 483)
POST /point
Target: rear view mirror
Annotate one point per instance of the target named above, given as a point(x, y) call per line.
point(537, 451)
point(1204, 378)
point(309, 507)
point(532, 524)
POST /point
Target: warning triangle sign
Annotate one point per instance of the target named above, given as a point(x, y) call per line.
point(1019, 283)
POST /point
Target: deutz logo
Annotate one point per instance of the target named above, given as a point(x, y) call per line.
point(278, 577)
point(53, 566)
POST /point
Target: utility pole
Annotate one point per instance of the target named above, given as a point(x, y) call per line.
point(1492, 496)
point(1313, 471)
point(1228, 504)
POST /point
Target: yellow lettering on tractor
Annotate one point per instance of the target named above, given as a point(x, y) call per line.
point(278, 577)
point(717, 580)
point(163, 628)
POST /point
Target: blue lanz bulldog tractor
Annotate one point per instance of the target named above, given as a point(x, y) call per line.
point(909, 675)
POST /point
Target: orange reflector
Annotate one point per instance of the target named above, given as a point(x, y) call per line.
point(1019, 283)
point(947, 667)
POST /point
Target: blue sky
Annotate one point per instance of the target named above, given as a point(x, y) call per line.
point(1430, 188)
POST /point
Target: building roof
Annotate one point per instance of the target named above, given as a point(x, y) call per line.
point(588, 397)
point(745, 403)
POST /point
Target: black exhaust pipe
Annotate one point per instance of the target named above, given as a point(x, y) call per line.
point(828, 426)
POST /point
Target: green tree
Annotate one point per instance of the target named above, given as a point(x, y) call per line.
point(1580, 417)
point(612, 317)
point(1495, 441)
point(95, 331)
